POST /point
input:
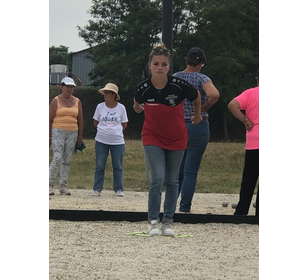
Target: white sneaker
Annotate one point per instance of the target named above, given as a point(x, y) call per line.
point(96, 193)
point(167, 229)
point(153, 228)
point(63, 190)
point(51, 192)
point(119, 193)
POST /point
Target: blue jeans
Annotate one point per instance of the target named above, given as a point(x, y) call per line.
point(101, 153)
point(198, 138)
point(164, 165)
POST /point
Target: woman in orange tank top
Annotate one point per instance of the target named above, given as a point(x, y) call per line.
point(65, 131)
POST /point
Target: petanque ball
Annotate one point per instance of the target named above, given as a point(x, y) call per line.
point(225, 204)
point(234, 205)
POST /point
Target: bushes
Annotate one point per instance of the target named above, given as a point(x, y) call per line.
point(90, 97)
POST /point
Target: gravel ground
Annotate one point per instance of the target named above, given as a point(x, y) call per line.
point(101, 250)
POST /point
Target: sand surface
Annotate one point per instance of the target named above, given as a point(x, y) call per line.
point(102, 250)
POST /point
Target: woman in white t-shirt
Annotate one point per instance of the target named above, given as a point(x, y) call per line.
point(110, 120)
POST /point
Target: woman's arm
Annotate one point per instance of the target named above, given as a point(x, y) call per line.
point(52, 113)
point(235, 109)
point(213, 96)
point(80, 124)
point(138, 107)
point(124, 125)
point(197, 108)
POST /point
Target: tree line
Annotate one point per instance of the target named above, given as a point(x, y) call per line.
point(122, 33)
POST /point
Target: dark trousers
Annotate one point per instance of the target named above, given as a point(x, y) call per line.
point(249, 181)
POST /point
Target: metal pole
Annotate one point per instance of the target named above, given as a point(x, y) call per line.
point(167, 35)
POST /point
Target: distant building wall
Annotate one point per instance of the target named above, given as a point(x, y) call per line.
point(82, 64)
point(56, 73)
point(60, 68)
point(56, 78)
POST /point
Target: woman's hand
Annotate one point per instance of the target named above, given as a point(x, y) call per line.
point(196, 119)
point(79, 141)
point(138, 108)
point(248, 124)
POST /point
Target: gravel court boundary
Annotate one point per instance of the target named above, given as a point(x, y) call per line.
point(101, 250)
point(202, 203)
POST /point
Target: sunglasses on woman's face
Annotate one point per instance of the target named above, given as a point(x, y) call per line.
point(161, 51)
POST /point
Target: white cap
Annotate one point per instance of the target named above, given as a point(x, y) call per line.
point(68, 81)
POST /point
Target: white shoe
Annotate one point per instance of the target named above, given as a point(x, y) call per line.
point(167, 229)
point(119, 193)
point(51, 192)
point(153, 228)
point(95, 193)
point(63, 190)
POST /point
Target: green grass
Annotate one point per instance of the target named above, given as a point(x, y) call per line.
point(220, 170)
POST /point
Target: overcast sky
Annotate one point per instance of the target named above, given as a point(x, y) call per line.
point(64, 16)
point(283, 76)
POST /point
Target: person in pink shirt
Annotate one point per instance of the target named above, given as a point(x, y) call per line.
point(248, 101)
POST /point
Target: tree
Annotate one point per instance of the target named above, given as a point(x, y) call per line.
point(122, 33)
point(234, 26)
point(59, 55)
point(228, 31)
